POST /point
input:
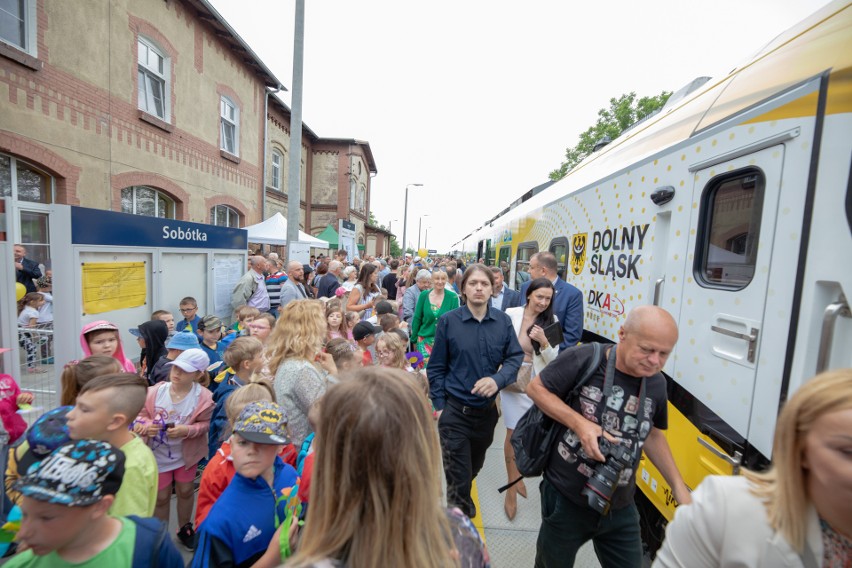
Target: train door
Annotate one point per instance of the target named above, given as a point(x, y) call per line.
point(724, 288)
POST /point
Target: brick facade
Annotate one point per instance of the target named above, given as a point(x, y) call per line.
point(69, 108)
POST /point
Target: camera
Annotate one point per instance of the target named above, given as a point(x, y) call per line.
point(604, 479)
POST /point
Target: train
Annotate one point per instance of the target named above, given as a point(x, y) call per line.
point(732, 209)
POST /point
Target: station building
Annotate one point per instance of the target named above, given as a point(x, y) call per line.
point(156, 108)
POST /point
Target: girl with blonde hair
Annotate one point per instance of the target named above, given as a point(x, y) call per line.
point(301, 368)
point(391, 352)
point(375, 498)
point(799, 513)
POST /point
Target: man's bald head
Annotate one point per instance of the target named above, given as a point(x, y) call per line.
point(258, 263)
point(650, 319)
point(646, 339)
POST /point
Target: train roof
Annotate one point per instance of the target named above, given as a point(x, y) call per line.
point(820, 43)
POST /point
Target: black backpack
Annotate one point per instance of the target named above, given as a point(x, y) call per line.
point(536, 432)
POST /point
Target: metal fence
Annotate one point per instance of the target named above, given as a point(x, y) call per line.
point(38, 373)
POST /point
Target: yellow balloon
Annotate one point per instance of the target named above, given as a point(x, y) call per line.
point(20, 290)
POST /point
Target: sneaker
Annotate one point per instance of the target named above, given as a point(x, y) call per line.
point(186, 535)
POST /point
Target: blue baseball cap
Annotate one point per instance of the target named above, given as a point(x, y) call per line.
point(183, 340)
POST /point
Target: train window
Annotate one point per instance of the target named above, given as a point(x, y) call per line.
point(559, 248)
point(489, 253)
point(729, 229)
point(503, 260)
point(522, 263)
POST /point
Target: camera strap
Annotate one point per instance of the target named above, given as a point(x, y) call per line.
point(609, 379)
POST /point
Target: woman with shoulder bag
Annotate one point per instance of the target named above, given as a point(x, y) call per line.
point(529, 322)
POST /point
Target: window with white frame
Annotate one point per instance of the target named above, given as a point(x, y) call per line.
point(17, 24)
point(142, 200)
point(230, 120)
point(153, 80)
point(23, 182)
point(224, 216)
point(277, 161)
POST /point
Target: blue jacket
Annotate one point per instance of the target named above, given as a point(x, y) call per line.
point(240, 525)
point(219, 419)
point(568, 307)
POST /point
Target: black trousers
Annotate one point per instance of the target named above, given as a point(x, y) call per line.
point(465, 437)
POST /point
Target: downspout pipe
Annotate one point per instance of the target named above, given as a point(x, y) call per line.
point(267, 92)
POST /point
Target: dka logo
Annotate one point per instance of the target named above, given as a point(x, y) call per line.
point(605, 303)
point(578, 252)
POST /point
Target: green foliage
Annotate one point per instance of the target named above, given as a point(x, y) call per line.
point(395, 249)
point(612, 121)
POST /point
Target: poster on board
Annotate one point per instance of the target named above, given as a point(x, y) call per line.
point(109, 286)
point(227, 270)
point(299, 251)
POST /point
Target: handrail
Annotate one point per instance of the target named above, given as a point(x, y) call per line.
point(829, 317)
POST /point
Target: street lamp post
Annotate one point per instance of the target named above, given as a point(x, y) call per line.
point(405, 215)
point(420, 224)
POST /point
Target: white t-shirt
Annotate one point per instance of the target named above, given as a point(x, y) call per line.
point(26, 315)
point(169, 451)
point(45, 312)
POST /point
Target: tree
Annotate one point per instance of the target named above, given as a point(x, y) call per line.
point(395, 249)
point(612, 121)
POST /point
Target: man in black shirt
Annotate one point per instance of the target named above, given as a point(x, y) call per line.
point(389, 281)
point(632, 413)
point(476, 353)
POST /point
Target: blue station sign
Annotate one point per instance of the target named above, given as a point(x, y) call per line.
point(108, 228)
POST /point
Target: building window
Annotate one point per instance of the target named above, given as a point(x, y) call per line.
point(17, 24)
point(729, 230)
point(153, 82)
point(23, 182)
point(141, 200)
point(230, 120)
point(224, 216)
point(277, 161)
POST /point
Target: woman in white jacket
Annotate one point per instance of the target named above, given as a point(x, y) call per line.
point(529, 321)
point(798, 514)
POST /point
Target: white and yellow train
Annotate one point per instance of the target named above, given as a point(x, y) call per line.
point(732, 209)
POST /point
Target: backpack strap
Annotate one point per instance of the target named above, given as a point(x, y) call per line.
point(588, 371)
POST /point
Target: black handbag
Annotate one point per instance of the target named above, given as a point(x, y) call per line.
point(536, 432)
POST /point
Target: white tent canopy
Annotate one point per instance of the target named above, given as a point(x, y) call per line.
point(273, 231)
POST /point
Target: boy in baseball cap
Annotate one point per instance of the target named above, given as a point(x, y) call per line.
point(211, 330)
point(65, 523)
point(177, 344)
point(364, 334)
point(240, 525)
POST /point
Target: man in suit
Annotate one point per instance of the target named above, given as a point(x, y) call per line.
point(567, 300)
point(26, 270)
point(330, 281)
point(503, 297)
point(294, 288)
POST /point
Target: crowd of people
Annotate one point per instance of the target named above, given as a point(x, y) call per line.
point(311, 430)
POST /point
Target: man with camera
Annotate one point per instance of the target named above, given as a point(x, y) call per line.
point(587, 492)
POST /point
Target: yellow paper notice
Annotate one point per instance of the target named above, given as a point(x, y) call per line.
point(111, 286)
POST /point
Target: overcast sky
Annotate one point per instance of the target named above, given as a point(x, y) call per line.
point(477, 100)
